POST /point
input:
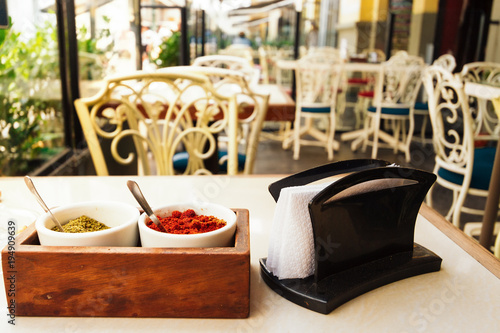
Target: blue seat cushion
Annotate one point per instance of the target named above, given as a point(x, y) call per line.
point(325, 109)
point(181, 159)
point(421, 106)
point(481, 170)
point(394, 111)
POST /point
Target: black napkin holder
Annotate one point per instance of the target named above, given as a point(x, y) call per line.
point(363, 234)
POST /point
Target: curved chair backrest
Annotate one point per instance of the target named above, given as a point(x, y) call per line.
point(398, 85)
point(451, 121)
point(401, 81)
point(486, 122)
point(162, 113)
point(252, 105)
point(318, 77)
point(235, 63)
point(446, 61)
point(481, 72)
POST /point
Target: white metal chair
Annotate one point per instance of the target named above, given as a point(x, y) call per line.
point(395, 93)
point(252, 74)
point(447, 62)
point(341, 103)
point(252, 109)
point(486, 123)
point(317, 79)
point(162, 113)
point(496, 248)
point(460, 166)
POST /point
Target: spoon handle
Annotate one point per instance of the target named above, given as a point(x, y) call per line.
point(137, 193)
point(33, 190)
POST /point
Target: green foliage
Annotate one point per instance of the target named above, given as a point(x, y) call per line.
point(90, 45)
point(35, 58)
point(28, 70)
point(169, 51)
point(18, 140)
point(24, 66)
point(93, 52)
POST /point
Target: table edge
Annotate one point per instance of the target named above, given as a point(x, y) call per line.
point(473, 248)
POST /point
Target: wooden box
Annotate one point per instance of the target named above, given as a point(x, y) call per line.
point(129, 281)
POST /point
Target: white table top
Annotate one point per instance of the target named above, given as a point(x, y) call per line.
point(462, 296)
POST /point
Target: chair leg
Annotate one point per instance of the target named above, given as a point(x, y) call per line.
point(341, 105)
point(452, 207)
point(287, 135)
point(406, 142)
point(496, 249)
point(408, 136)
point(396, 128)
point(368, 129)
point(331, 138)
point(358, 108)
point(428, 197)
point(458, 208)
point(376, 129)
point(423, 128)
point(296, 139)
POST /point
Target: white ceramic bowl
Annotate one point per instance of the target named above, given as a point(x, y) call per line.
point(121, 218)
point(216, 238)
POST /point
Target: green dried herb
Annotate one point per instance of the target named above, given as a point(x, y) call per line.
point(82, 224)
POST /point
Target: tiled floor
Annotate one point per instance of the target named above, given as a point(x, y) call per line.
point(272, 158)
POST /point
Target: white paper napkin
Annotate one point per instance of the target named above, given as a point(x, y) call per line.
point(291, 246)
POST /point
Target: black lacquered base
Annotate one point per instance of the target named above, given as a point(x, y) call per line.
point(339, 288)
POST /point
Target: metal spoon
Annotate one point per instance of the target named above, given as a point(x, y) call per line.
point(137, 193)
point(33, 190)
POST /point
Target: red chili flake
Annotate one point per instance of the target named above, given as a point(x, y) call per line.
point(188, 222)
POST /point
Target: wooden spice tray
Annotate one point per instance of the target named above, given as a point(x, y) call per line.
point(131, 281)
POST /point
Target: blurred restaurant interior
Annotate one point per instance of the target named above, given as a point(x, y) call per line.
point(54, 52)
